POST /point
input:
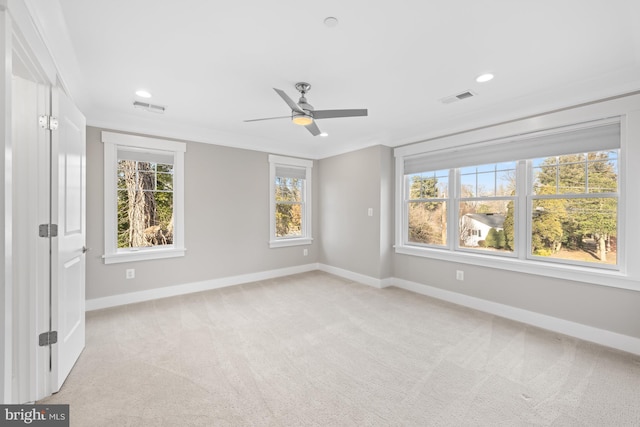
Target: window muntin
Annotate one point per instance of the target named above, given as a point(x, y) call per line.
point(574, 208)
point(426, 197)
point(290, 201)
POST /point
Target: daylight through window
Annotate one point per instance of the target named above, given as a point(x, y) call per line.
point(144, 197)
point(543, 198)
point(290, 207)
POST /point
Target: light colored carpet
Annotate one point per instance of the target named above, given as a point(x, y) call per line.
point(317, 350)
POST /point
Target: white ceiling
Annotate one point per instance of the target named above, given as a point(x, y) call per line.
point(214, 64)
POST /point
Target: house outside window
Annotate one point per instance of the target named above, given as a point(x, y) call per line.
point(290, 201)
point(144, 198)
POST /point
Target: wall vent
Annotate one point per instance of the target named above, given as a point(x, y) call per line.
point(149, 107)
point(459, 97)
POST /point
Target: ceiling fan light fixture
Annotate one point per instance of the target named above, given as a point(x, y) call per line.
point(302, 119)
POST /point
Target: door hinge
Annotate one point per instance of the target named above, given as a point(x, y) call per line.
point(48, 230)
point(48, 122)
point(48, 338)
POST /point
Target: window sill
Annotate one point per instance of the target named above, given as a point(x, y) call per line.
point(281, 243)
point(143, 255)
point(596, 276)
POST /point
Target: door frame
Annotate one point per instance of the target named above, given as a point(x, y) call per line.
point(20, 328)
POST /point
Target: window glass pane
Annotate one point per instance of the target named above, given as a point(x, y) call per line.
point(487, 225)
point(595, 172)
point(145, 212)
point(164, 182)
point(468, 185)
point(288, 189)
point(602, 172)
point(572, 178)
point(545, 178)
point(428, 185)
point(288, 220)
point(575, 229)
point(161, 167)
point(428, 223)
point(496, 179)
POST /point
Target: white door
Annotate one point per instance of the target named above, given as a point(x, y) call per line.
point(68, 277)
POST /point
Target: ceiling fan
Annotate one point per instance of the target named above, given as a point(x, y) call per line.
point(303, 113)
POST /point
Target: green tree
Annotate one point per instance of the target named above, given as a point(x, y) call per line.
point(509, 228)
point(569, 220)
point(288, 206)
point(492, 238)
point(500, 239)
point(427, 219)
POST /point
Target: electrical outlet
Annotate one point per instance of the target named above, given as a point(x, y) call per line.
point(370, 212)
point(459, 275)
point(305, 252)
point(130, 273)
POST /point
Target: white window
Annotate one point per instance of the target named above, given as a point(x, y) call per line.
point(549, 198)
point(486, 207)
point(143, 198)
point(290, 201)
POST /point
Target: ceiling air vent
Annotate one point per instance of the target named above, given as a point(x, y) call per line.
point(149, 107)
point(458, 97)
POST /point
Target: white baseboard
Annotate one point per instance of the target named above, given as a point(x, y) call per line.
point(356, 277)
point(565, 327)
point(187, 288)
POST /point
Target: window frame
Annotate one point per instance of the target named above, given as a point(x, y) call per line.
point(624, 110)
point(306, 237)
point(112, 142)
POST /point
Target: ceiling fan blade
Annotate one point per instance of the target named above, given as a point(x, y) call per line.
point(331, 114)
point(267, 118)
point(289, 101)
point(313, 128)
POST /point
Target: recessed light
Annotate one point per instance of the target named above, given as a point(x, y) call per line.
point(324, 134)
point(143, 93)
point(331, 22)
point(484, 78)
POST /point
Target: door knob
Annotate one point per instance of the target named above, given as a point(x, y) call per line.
point(85, 249)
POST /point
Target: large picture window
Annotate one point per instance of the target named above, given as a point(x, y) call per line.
point(551, 197)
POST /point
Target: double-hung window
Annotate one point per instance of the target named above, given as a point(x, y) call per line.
point(144, 198)
point(551, 197)
point(290, 201)
point(486, 206)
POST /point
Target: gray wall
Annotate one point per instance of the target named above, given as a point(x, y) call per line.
point(350, 184)
point(608, 308)
point(226, 207)
point(226, 223)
